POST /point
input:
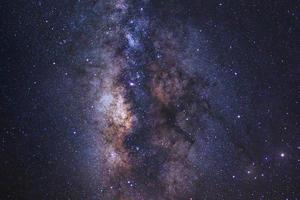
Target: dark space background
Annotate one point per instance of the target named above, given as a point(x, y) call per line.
point(255, 43)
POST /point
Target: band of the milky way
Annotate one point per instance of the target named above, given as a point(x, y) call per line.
point(150, 99)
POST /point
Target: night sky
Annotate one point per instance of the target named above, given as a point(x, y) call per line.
point(150, 99)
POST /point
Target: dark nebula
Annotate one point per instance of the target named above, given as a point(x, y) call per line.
point(150, 100)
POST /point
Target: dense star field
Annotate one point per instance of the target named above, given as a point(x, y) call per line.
point(150, 99)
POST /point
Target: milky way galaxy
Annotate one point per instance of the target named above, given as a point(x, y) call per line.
point(149, 99)
point(151, 107)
